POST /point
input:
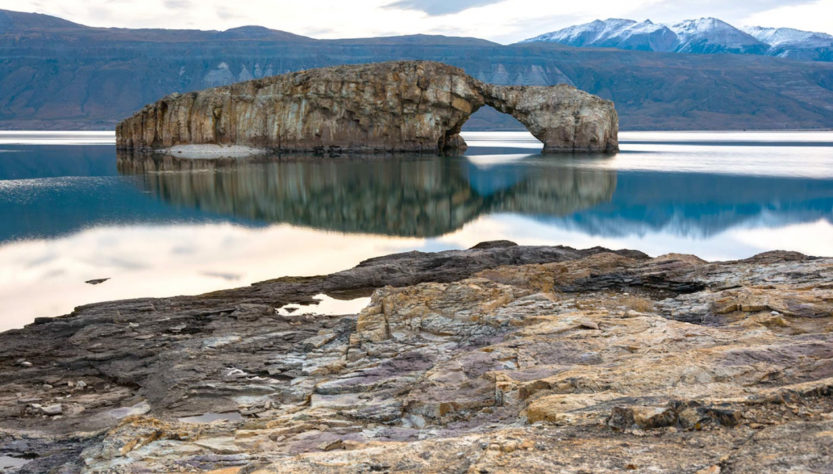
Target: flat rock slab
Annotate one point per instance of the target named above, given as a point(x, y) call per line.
point(496, 358)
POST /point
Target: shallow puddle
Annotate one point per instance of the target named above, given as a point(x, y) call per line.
point(327, 305)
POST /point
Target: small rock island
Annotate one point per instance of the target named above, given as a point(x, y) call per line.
point(403, 106)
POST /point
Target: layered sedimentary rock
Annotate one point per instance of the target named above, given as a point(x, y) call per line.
point(495, 359)
point(411, 106)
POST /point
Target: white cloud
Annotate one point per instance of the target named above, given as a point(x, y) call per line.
point(502, 21)
point(812, 16)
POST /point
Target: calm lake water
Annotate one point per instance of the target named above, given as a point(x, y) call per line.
point(69, 213)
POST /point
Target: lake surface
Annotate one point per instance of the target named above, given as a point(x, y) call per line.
point(70, 211)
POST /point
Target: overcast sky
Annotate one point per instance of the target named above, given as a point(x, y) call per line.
point(504, 21)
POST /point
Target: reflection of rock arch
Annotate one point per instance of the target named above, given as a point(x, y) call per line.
point(413, 196)
point(385, 107)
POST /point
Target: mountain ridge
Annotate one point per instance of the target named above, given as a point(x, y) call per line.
point(59, 77)
point(698, 36)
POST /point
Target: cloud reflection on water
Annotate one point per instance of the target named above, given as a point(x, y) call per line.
point(227, 255)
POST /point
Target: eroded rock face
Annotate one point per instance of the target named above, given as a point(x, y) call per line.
point(499, 358)
point(563, 118)
point(407, 106)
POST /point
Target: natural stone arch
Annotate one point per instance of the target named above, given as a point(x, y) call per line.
point(564, 118)
point(405, 106)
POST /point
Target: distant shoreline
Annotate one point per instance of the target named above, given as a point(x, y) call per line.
point(627, 137)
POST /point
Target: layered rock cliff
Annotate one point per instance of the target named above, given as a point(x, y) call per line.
point(90, 78)
point(406, 106)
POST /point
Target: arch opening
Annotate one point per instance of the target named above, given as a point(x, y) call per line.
point(489, 119)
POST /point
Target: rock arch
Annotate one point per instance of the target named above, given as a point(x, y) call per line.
point(564, 118)
point(404, 106)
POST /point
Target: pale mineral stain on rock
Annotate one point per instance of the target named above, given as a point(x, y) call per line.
point(499, 358)
point(10, 463)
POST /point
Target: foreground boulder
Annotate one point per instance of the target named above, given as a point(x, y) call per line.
point(407, 106)
point(499, 358)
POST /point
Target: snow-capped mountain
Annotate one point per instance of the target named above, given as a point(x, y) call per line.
point(794, 44)
point(590, 33)
point(701, 36)
point(710, 35)
point(615, 33)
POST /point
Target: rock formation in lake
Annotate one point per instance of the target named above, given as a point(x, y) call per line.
point(406, 106)
point(495, 359)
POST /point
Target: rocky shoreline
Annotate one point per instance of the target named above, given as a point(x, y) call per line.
point(497, 358)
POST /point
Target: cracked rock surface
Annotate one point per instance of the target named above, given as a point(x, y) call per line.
point(497, 358)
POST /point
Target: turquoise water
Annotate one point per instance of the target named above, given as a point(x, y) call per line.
point(70, 212)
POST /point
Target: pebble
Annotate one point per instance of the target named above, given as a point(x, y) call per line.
point(52, 410)
point(332, 445)
point(177, 328)
point(417, 421)
point(587, 324)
